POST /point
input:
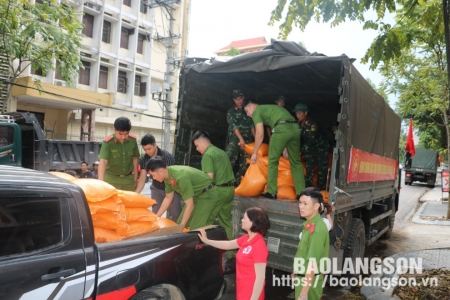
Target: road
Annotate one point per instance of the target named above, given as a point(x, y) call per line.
point(406, 236)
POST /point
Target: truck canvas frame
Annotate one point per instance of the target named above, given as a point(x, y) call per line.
point(364, 177)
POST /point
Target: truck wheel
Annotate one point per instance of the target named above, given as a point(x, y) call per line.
point(391, 222)
point(160, 292)
point(356, 241)
point(430, 186)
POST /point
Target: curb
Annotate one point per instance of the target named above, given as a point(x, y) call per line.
point(418, 220)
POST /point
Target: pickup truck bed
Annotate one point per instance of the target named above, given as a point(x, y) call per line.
point(47, 250)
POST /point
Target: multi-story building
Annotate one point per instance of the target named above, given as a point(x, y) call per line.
point(124, 59)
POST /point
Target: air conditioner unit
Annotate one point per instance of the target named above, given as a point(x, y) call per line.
point(60, 83)
point(93, 6)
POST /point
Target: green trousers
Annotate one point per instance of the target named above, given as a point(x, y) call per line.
point(235, 153)
point(121, 183)
point(204, 204)
point(222, 211)
point(315, 291)
point(285, 136)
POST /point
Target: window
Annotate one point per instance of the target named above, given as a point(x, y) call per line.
point(103, 77)
point(85, 74)
point(122, 80)
point(57, 71)
point(124, 38)
point(29, 224)
point(139, 86)
point(106, 34)
point(143, 8)
point(38, 71)
point(127, 2)
point(140, 43)
point(6, 138)
point(88, 22)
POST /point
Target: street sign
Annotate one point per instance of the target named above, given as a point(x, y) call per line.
point(444, 176)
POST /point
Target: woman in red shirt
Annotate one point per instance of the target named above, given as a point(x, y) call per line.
point(251, 258)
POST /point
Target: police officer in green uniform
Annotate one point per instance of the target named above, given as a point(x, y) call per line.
point(314, 147)
point(285, 134)
point(240, 131)
point(215, 164)
point(313, 247)
point(197, 190)
point(119, 157)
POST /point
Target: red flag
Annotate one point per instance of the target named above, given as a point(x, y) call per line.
point(410, 140)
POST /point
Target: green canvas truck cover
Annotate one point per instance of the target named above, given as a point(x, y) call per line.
point(331, 87)
point(425, 159)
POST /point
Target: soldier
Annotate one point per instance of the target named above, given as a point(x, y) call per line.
point(157, 188)
point(280, 100)
point(285, 134)
point(215, 164)
point(119, 157)
point(197, 189)
point(314, 147)
point(241, 131)
point(313, 248)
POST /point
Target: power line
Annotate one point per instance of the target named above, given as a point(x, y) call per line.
point(80, 100)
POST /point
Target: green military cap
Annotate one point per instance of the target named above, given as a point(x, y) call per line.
point(280, 97)
point(236, 93)
point(300, 107)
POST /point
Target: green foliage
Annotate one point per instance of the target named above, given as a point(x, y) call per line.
point(299, 13)
point(38, 34)
point(379, 90)
point(232, 52)
point(418, 74)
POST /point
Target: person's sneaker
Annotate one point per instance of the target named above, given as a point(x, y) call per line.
point(269, 196)
point(230, 265)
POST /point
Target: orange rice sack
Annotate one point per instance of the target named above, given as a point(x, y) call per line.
point(135, 200)
point(164, 222)
point(95, 190)
point(62, 175)
point(138, 227)
point(253, 182)
point(262, 151)
point(105, 235)
point(109, 221)
point(286, 192)
point(134, 214)
point(105, 206)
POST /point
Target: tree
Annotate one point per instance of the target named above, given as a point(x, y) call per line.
point(232, 52)
point(38, 35)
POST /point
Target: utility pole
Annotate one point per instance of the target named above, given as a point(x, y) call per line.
point(447, 50)
point(165, 96)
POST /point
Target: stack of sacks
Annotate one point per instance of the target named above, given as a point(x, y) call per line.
point(255, 179)
point(117, 214)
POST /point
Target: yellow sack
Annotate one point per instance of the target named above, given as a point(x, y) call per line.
point(95, 190)
point(135, 200)
point(138, 227)
point(62, 175)
point(105, 235)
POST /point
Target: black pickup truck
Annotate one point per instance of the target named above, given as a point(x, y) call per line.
point(47, 250)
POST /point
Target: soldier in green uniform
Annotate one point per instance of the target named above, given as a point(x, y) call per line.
point(314, 147)
point(119, 157)
point(285, 134)
point(240, 131)
point(197, 190)
point(313, 247)
point(215, 164)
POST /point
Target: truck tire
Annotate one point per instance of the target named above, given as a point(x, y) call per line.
point(160, 292)
point(430, 186)
point(356, 242)
point(391, 222)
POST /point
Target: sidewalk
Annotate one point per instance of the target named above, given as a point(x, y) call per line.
point(433, 211)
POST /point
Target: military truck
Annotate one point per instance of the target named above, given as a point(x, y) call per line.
point(423, 167)
point(23, 143)
point(364, 178)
